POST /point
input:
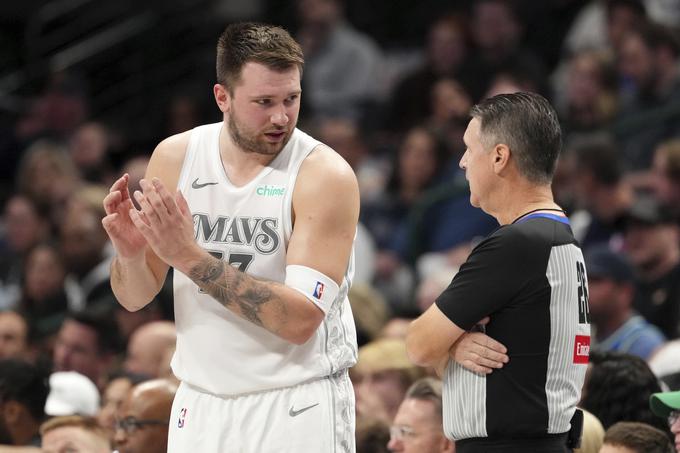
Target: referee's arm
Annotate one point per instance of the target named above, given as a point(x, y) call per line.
point(430, 337)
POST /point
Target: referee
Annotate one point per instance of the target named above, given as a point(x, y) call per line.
point(528, 276)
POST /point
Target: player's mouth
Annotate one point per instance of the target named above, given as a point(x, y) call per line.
point(275, 136)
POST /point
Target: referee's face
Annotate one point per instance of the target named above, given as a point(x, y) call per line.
point(477, 164)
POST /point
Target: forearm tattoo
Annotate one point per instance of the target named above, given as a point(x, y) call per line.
point(246, 296)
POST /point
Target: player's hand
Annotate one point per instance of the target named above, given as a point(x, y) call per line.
point(165, 222)
point(479, 353)
point(126, 239)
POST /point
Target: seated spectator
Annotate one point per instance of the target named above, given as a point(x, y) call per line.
point(634, 437)
point(71, 393)
point(418, 425)
point(610, 294)
point(381, 377)
point(667, 406)
point(84, 247)
point(333, 47)
point(13, 336)
point(665, 176)
point(370, 312)
point(47, 176)
point(23, 391)
point(372, 435)
point(602, 195)
point(144, 418)
point(43, 297)
point(89, 150)
point(618, 387)
point(591, 99)
point(113, 395)
point(86, 343)
point(147, 345)
point(648, 57)
point(592, 435)
point(651, 240)
point(74, 434)
point(24, 226)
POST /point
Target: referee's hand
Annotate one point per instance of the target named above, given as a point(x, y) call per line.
point(479, 353)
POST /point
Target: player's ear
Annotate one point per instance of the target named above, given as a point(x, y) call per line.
point(222, 97)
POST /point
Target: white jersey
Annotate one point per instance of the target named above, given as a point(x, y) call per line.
point(250, 227)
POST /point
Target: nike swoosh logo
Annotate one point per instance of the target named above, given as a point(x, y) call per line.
point(294, 413)
point(197, 185)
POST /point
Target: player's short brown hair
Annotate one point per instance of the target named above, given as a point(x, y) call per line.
point(254, 42)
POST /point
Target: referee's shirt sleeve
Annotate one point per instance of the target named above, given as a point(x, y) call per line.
point(490, 278)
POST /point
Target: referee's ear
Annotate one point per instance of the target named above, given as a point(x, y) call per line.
point(501, 158)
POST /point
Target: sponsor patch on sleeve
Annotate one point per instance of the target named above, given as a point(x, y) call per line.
point(581, 348)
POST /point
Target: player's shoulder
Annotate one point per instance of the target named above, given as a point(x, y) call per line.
point(173, 148)
point(324, 160)
point(168, 157)
point(324, 171)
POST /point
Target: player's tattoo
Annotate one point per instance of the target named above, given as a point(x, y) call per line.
point(244, 295)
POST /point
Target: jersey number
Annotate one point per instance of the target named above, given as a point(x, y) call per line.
point(240, 261)
point(583, 310)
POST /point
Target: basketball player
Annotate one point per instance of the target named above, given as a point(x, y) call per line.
point(528, 276)
point(260, 233)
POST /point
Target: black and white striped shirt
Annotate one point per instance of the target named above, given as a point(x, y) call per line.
point(529, 277)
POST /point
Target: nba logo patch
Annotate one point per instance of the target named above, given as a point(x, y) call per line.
point(182, 415)
point(318, 290)
point(581, 349)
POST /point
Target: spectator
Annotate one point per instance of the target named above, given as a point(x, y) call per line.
point(592, 436)
point(86, 343)
point(147, 346)
point(74, 434)
point(634, 437)
point(23, 391)
point(651, 241)
point(71, 393)
point(445, 54)
point(418, 426)
point(342, 64)
point(43, 298)
point(381, 377)
point(649, 58)
point(85, 252)
point(610, 293)
point(618, 387)
point(372, 435)
point(591, 99)
point(24, 227)
point(667, 406)
point(13, 336)
point(602, 195)
point(48, 177)
point(89, 149)
point(145, 414)
point(665, 176)
point(497, 34)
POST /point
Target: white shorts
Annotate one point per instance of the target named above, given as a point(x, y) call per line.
point(314, 417)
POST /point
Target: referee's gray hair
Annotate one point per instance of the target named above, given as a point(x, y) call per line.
point(528, 125)
point(427, 389)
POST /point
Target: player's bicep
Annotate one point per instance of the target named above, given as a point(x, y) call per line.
point(326, 211)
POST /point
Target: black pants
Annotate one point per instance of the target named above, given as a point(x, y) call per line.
point(553, 444)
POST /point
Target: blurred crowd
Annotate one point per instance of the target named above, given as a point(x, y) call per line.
point(611, 68)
